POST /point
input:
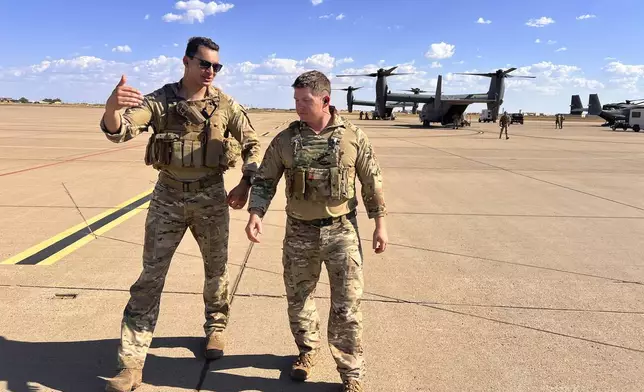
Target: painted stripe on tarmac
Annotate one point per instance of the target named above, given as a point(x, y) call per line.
point(55, 248)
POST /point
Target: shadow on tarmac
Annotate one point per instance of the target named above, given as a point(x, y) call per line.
point(85, 365)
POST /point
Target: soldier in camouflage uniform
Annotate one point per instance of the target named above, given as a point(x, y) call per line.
point(320, 155)
point(557, 119)
point(504, 122)
point(561, 120)
point(455, 121)
point(191, 147)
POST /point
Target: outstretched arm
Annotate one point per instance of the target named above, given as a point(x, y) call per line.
point(136, 119)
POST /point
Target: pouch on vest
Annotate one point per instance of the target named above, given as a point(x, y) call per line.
point(160, 148)
point(335, 182)
point(318, 184)
point(299, 183)
point(231, 151)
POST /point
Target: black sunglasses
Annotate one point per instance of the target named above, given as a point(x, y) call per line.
point(203, 64)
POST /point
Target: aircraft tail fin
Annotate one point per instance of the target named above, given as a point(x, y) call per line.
point(576, 107)
point(439, 91)
point(594, 105)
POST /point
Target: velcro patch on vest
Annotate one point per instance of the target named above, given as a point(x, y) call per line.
point(317, 175)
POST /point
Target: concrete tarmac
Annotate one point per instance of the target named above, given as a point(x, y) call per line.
point(513, 265)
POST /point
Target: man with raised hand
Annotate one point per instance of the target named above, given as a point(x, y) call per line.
point(191, 147)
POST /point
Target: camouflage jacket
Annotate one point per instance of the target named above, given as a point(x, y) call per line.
point(152, 113)
point(356, 158)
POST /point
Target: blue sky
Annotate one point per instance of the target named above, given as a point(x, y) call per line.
point(78, 53)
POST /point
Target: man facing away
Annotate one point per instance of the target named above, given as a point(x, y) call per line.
point(191, 147)
point(320, 156)
point(504, 122)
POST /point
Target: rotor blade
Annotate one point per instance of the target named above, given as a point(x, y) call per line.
point(509, 70)
point(519, 76)
point(474, 74)
point(371, 74)
point(401, 73)
point(390, 69)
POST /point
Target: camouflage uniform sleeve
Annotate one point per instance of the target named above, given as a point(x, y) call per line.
point(134, 121)
point(370, 176)
point(242, 129)
point(265, 182)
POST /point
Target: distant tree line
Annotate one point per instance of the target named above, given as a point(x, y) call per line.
point(25, 100)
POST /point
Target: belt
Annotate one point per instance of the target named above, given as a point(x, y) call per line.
point(328, 221)
point(192, 185)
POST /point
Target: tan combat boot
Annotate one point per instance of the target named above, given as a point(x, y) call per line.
point(303, 366)
point(215, 345)
point(352, 385)
point(127, 380)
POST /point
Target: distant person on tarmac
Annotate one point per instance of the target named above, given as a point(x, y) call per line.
point(504, 121)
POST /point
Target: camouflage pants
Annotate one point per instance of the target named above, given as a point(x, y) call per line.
point(171, 212)
point(503, 127)
point(338, 245)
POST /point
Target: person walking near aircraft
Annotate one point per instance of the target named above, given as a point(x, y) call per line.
point(557, 121)
point(561, 120)
point(361, 115)
point(504, 122)
point(192, 149)
point(455, 121)
point(320, 156)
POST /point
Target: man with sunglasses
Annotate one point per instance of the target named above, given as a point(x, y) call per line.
point(198, 133)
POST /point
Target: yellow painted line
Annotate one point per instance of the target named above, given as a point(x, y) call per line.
point(22, 256)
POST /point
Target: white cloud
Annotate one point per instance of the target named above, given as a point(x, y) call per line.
point(248, 67)
point(440, 51)
point(345, 60)
point(321, 61)
point(196, 10)
point(551, 42)
point(483, 21)
point(147, 16)
point(624, 69)
point(562, 49)
point(316, 2)
point(541, 22)
point(587, 16)
point(459, 62)
point(122, 49)
point(610, 58)
point(537, 41)
point(552, 79)
point(266, 82)
point(175, 45)
point(436, 64)
point(326, 16)
point(340, 17)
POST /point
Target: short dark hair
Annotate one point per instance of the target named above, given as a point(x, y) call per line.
point(195, 42)
point(315, 80)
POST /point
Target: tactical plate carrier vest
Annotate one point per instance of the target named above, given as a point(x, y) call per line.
point(192, 134)
point(318, 173)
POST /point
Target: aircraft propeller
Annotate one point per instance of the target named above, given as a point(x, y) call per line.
point(380, 72)
point(499, 72)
